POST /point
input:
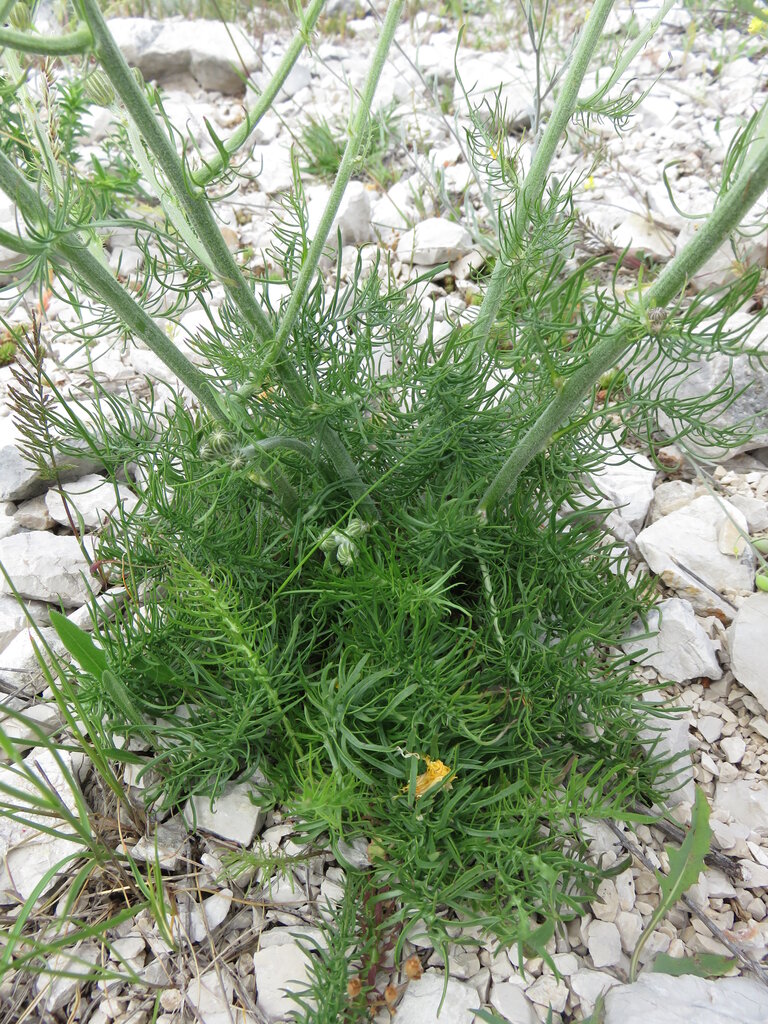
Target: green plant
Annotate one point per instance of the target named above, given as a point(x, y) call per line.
point(361, 562)
point(93, 885)
point(685, 866)
point(324, 149)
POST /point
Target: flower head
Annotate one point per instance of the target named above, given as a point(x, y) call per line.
point(435, 773)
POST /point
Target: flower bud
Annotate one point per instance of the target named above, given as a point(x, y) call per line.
point(98, 89)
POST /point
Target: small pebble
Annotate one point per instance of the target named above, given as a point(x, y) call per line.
point(734, 748)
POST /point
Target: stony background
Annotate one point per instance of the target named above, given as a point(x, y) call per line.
point(684, 526)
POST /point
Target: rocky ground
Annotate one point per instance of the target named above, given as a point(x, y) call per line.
point(685, 526)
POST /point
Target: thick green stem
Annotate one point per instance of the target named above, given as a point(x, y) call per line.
point(78, 41)
point(628, 55)
point(196, 209)
point(75, 251)
point(16, 244)
point(70, 249)
point(351, 153)
point(535, 181)
point(192, 201)
point(243, 132)
point(725, 218)
point(6, 6)
point(331, 441)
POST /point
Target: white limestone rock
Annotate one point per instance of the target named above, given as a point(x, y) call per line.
point(280, 970)
point(8, 522)
point(59, 983)
point(745, 802)
point(216, 908)
point(663, 999)
point(701, 378)
point(493, 75)
point(548, 991)
point(92, 498)
point(755, 875)
point(626, 480)
point(211, 996)
point(26, 854)
point(630, 925)
point(299, 77)
point(510, 1001)
point(168, 845)
point(734, 748)
point(397, 210)
point(671, 737)
point(755, 511)
point(19, 665)
point(604, 943)
point(45, 567)
point(422, 1000)
point(724, 265)
point(669, 496)
point(353, 217)
point(590, 985)
point(271, 166)
point(681, 649)
point(710, 727)
point(199, 920)
point(434, 241)
point(18, 479)
point(683, 548)
point(13, 618)
point(26, 731)
point(33, 514)
point(639, 234)
point(234, 815)
point(747, 639)
point(219, 57)
point(605, 906)
point(354, 854)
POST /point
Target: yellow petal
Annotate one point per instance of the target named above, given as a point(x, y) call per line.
point(436, 772)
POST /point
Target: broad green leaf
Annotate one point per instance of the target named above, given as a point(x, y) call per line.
point(80, 645)
point(703, 965)
point(687, 862)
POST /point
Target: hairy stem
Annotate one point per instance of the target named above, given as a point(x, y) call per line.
point(72, 250)
point(195, 207)
point(628, 55)
point(727, 215)
point(535, 181)
point(78, 41)
point(351, 153)
point(75, 250)
point(6, 6)
point(243, 132)
point(192, 201)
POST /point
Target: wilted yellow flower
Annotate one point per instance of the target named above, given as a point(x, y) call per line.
point(354, 987)
point(436, 772)
point(412, 968)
